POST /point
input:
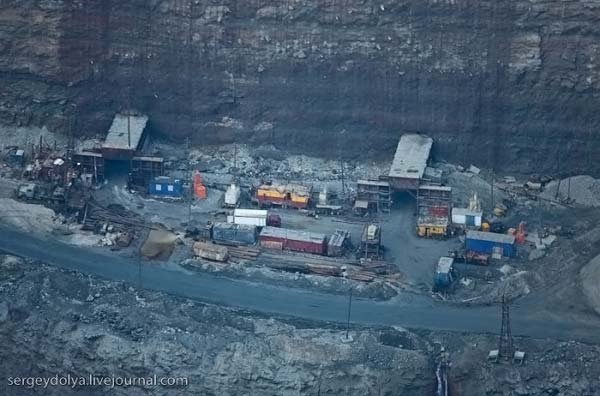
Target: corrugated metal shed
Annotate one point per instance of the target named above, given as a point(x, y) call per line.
point(411, 157)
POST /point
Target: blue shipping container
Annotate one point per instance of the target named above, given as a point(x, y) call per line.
point(234, 234)
point(485, 242)
point(166, 187)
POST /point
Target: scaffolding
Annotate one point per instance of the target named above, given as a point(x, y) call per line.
point(376, 193)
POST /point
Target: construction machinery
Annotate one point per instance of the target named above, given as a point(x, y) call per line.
point(370, 242)
point(285, 195)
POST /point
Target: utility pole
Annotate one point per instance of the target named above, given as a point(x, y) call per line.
point(343, 178)
point(191, 178)
point(349, 309)
point(505, 343)
point(558, 173)
point(139, 259)
point(128, 130)
point(492, 189)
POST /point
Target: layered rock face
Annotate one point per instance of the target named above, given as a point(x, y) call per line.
point(509, 84)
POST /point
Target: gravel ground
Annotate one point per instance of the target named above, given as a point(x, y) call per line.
point(583, 190)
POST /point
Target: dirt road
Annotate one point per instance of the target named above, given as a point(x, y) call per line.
point(529, 317)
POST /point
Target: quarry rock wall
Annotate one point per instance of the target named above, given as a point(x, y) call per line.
point(509, 84)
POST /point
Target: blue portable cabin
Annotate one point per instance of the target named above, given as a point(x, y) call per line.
point(443, 273)
point(165, 187)
point(486, 242)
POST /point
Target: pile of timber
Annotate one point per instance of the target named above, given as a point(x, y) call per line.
point(328, 266)
point(243, 253)
point(210, 251)
point(95, 216)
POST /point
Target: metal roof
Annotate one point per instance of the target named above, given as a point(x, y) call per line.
point(237, 212)
point(465, 212)
point(240, 227)
point(491, 237)
point(148, 159)
point(411, 156)
point(360, 204)
point(435, 188)
point(373, 183)
point(444, 265)
point(338, 238)
point(125, 132)
point(293, 235)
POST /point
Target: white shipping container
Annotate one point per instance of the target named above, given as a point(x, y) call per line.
point(459, 219)
point(253, 221)
point(250, 213)
point(253, 217)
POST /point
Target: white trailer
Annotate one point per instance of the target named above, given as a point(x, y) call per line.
point(253, 217)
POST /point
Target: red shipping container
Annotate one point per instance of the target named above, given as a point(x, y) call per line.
point(298, 241)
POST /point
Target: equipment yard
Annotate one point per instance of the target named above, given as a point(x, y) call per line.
point(454, 248)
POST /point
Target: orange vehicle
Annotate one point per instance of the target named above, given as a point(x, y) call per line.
point(285, 195)
point(199, 188)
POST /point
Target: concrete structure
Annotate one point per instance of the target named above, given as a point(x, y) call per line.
point(125, 136)
point(410, 161)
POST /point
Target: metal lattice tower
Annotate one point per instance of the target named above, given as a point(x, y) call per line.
point(505, 343)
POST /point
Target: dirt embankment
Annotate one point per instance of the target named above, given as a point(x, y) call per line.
point(60, 322)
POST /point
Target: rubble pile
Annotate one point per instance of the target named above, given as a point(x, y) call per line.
point(267, 163)
point(582, 190)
